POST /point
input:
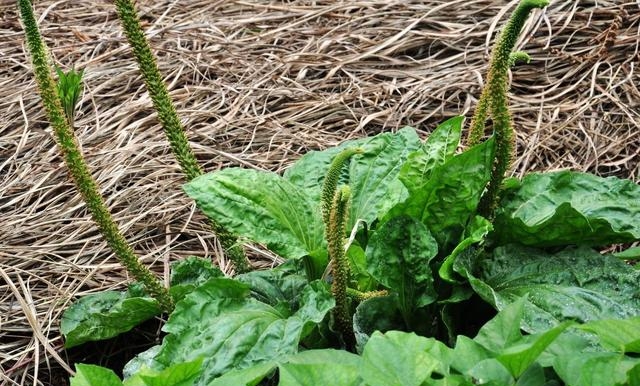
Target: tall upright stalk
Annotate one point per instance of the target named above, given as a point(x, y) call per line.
point(75, 162)
point(494, 98)
point(169, 119)
point(335, 229)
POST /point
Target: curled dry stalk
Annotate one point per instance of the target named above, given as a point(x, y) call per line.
point(74, 160)
point(339, 265)
point(494, 100)
point(169, 119)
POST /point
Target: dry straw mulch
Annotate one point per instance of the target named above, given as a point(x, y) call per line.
point(258, 84)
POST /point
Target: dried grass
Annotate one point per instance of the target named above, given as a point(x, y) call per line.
point(258, 84)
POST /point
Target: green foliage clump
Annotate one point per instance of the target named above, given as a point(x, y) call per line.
point(441, 249)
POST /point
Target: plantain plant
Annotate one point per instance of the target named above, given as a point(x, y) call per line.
point(65, 94)
point(438, 241)
point(169, 119)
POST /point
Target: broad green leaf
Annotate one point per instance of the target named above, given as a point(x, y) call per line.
point(376, 314)
point(490, 372)
point(275, 286)
point(590, 369)
point(574, 284)
point(402, 359)
point(519, 357)
point(615, 334)
point(220, 322)
point(180, 374)
point(360, 277)
point(437, 149)
point(91, 375)
point(261, 206)
point(570, 342)
point(321, 367)
point(250, 376)
point(504, 329)
point(105, 315)
point(193, 270)
point(475, 233)
point(187, 274)
point(632, 253)
point(559, 208)
point(634, 375)
point(144, 360)
point(373, 176)
point(309, 171)
point(398, 257)
point(467, 353)
point(450, 197)
point(533, 376)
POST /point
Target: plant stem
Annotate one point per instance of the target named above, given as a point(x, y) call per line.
point(494, 96)
point(340, 266)
point(169, 119)
point(77, 167)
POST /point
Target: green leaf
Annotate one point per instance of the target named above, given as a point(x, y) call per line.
point(193, 270)
point(321, 367)
point(475, 233)
point(69, 87)
point(180, 374)
point(105, 315)
point(634, 375)
point(398, 257)
point(91, 375)
point(250, 376)
point(360, 277)
point(438, 148)
point(590, 369)
point(263, 207)
point(187, 274)
point(450, 197)
point(376, 314)
point(229, 329)
point(565, 207)
point(467, 353)
point(490, 372)
point(275, 286)
point(533, 376)
point(402, 359)
point(504, 329)
point(519, 357)
point(615, 334)
point(309, 171)
point(632, 253)
point(574, 284)
point(372, 176)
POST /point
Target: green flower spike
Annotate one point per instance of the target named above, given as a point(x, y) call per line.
point(339, 265)
point(518, 57)
point(494, 98)
point(75, 162)
point(360, 296)
point(331, 180)
point(169, 119)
